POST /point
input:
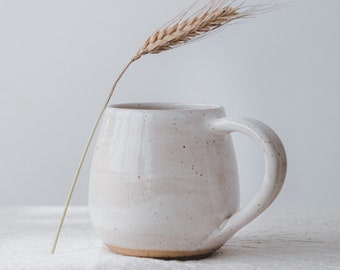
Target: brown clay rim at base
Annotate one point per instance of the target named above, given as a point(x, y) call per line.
point(162, 254)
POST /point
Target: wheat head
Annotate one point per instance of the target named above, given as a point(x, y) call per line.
point(205, 21)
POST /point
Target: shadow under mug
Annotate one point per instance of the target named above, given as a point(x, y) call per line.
point(164, 179)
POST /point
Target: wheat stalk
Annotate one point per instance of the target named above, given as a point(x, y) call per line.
point(189, 26)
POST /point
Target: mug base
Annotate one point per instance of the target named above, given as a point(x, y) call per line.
point(162, 254)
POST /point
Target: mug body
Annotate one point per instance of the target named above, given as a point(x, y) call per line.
point(161, 181)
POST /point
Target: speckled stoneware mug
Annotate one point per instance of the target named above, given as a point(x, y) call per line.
point(164, 180)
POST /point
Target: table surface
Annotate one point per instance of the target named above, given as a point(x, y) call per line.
point(278, 239)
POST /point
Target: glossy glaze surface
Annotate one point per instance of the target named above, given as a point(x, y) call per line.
point(164, 178)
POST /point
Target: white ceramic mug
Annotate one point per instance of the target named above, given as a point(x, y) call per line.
point(164, 180)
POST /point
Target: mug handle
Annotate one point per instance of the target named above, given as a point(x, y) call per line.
point(275, 170)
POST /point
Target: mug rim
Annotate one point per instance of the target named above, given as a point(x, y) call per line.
point(164, 106)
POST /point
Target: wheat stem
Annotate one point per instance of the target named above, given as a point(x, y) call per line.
point(69, 197)
point(182, 30)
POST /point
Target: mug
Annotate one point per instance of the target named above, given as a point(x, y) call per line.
point(164, 179)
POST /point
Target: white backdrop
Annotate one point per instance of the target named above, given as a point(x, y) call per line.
point(58, 60)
